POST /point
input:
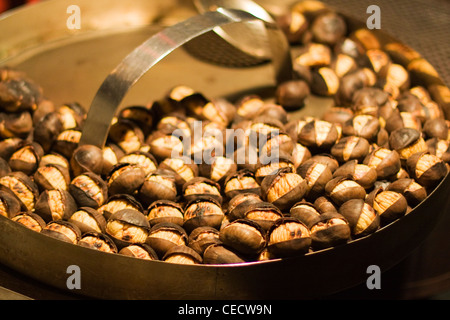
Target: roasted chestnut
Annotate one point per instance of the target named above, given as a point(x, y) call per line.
point(324, 82)
point(23, 187)
point(390, 205)
point(288, 237)
point(26, 158)
point(292, 94)
point(219, 168)
point(329, 28)
point(111, 154)
point(144, 160)
point(51, 177)
point(72, 115)
point(182, 255)
point(98, 241)
point(385, 161)
point(220, 254)
point(9, 204)
point(244, 236)
point(266, 167)
point(18, 94)
point(165, 235)
point(283, 188)
point(427, 169)
point(141, 115)
point(362, 218)
point(361, 173)
point(305, 212)
point(125, 178)
point(18, 124)
point(47, 129)
point(317, 176)
point(201, 186)
point(164, 145)
point(439, 148)
point(410, 189)
point(202, 211)
point(342, 189)
point(362, 125)
point(183, 168)
point(127, 226)
point(242, 181)
point(331, 230)
point(318, 135)
point(263, 213)
point(55, 204)
point(159, 184)
point(87, 158)
point(202, 237)
point(407, 141)
point(30, 220)
point(88, 219)
point(127, 135)
point(139, 250)
point(89, 190)
point(62, 230)
point(165, 211)
point(350, 148)
point(66, 142)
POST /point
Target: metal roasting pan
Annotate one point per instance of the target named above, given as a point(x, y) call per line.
point(71, 65)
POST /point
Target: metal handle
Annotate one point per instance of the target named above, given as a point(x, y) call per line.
point(112, 91)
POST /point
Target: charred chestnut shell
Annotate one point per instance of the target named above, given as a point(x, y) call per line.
point(127, 226)
point(125, 178)
point(87, 158)
point(202, 211)
point(201, 186)
point(139, 250)
point(89, 190)
point(202, 237)
point(426, 169)
point(23, 187)
point(55, 205)
point(9, 204)
point(288, 237)
point(331, 230)
point(390, 205)
point(220, 254)
point(362, 218)
point(283, 188)
point(263, 213)
point(62, 230)
point(182, 255)
point(242, 181)
point(244, 236)
point(88, 219)
point(165, 235)
point(165, 211)
point(342, 189)
point(30, 220)
point(97, 241)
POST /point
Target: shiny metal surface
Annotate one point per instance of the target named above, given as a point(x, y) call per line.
point(248, 37)
point(143, 58)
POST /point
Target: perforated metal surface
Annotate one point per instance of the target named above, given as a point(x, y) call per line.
point(421, 24)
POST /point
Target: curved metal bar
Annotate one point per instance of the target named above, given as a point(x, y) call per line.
point(140, 60)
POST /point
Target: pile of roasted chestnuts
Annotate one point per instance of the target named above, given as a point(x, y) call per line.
point(286, 186)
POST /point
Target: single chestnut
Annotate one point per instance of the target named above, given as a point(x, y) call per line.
point(342, 189)
point(23, 187)
point(427, 169)
point(140, 251)
point(165, 235)
point(390, 205)
point(263, 213)
point(241, 181)
point(244, 236)
point(127, 226)
point(30, 220)
point(362, 217)
point(182, 255)
point(98, 241)
point(386, 162)
point(202, 237)
point(410, 189)
point(55, 204)
point(159, 184)
point(89, 190)
point(288, 237)
point(202, 211)
point(317, 176)
point(361, 173)
point(331, 230)
point(62, 230)
point(165, 211)
point(88, 219)
point(283, 188)
point(125, 178)
point(87, 158)
point(350, 148)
